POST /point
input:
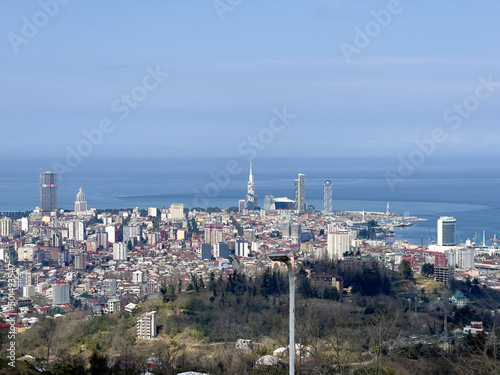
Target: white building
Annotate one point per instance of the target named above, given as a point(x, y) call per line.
point(6, 227)
point(459, 300)
point(177, 211)
point(295, 233)
point(76, 230)
point(119, 251)
point(25, 253)
point(146, 325)
point(446, 231)
point(111, 231)
point(132, 232)
point(80, 203)
point(29, 291)
point(459, 258)
point(61, 294)
point(25, 224)
point(339, 242)
point(213, 235)
point(112, 306)
point(137, 277)
point(300, 193)
point(108, 287)
point(242, 248)
point(152, 211)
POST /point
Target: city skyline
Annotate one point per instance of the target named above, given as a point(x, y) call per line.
point(340, 70)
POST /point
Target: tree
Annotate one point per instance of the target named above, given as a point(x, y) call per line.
point(405, 270)
point(168, 292)
point(165, 354)
point(46, 330)
point(427, 270)
point(98, 364)
point(237, 226)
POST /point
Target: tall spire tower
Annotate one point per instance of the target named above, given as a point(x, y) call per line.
point(252, 199)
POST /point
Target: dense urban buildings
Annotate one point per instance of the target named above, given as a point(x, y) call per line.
point(103, 262)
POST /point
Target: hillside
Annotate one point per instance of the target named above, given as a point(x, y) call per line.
point(377, 325)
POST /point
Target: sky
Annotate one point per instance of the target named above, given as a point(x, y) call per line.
point(248, 77)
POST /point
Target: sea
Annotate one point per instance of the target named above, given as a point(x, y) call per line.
point(467, 188)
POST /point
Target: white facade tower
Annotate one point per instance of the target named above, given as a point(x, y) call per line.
point(252, 200)
point(80, 203)
point(300, 193)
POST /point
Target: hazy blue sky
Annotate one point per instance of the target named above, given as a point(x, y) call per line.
point(227, 71)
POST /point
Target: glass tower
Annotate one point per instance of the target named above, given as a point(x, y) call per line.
point(48, 191)
point(328, 204)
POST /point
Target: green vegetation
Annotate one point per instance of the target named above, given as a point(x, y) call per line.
point(406, 271)
point(198, 328)
point(427, 270)
point(237, 226)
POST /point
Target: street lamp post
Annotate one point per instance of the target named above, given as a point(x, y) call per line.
point(284, 258)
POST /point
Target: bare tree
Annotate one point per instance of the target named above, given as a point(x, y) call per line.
point(46, 331)
point(381, 334)
point(479, 354)
point(165, 354)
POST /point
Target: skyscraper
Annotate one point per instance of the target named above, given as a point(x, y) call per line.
point(269, 204)
point(48, 191)
point(241, 205)
point(252, 199)
point(80, 203)
point(328, 198)
point(446, 231)
point(80, 261)
point(6, 226)
point(119, 251)
point(300, 194)
point(338, 242)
